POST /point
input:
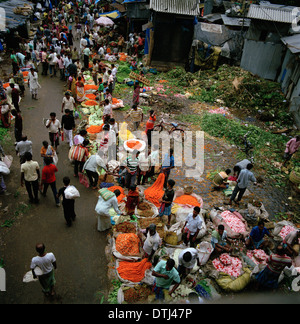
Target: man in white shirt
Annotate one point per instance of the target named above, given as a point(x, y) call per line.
point(105, 76)
point(30, 174)
point(57, 49)
point(187, 260)
point(101, 51)
point(68, 102)
point(67, 61)
point(86, 56)
point(52, 63)
point(54, 127)
point(47, 263)
point(114, 126)
point(152, 242)
point(191, 227)
point(22, 147)
point(107, 110)
point(114, 71)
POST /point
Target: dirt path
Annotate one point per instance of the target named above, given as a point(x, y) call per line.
point(79, 250)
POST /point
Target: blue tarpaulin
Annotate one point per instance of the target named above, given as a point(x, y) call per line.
point(128, 1)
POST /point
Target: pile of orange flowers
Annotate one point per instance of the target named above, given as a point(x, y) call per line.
point(187, 200)
point(91, 103)
point(133, 144)
point(122, 195)
point(94, 129)
point(133, 271)
point(128, 244)
point(156, 191)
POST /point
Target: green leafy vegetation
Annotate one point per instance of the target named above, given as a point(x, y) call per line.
point(20, 210)
point(4, 133)
point(113, 295)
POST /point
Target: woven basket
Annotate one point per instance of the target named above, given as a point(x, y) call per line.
point(188, 190)
point(295, 177)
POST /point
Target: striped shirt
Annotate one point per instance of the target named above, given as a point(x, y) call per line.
point(136, 115)
point(276, 262)
point(132, 164)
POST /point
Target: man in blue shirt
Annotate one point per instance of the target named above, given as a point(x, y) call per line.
point(256, 237)
point(167, 165)
point(165, 274)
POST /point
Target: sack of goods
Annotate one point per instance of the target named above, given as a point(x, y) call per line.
point(71, 193)
point(76, 153)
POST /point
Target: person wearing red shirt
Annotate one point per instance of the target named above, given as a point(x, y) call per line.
point(150, 126)
point(48, 178)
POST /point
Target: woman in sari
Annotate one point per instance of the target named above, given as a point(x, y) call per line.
point(80, 90)
point(136, 93)
point(72, 85)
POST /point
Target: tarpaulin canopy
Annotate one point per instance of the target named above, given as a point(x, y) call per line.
point(13, 20)
point(112, 14)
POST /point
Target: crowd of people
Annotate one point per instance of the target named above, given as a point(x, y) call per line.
point(53, 53)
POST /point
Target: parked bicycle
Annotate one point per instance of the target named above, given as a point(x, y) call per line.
point(247, 147)
point(174, 129)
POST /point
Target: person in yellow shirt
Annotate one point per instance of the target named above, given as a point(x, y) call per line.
point(136, 115)
point(220, 180)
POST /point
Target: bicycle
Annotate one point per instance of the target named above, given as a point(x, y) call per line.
point(173, 129)
point(248, 147)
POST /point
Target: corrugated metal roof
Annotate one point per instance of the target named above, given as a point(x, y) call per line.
point(179, 7)
point(272, 12)
point(234, 21)
point(292, 42)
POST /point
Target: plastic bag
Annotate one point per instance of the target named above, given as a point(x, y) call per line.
point(28, 277)
point(83, 179)
point(71, 193)
point(4, 169)
point(55, 158)
point(205, 249)
point(8, 160)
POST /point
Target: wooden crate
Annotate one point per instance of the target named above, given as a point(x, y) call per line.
point(140, 78)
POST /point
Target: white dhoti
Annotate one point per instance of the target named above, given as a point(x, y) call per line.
point(104, 222)
point(33, 83)
point(102, 210)
point(69, 136)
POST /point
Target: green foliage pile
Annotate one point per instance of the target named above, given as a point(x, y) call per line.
point(255, 96)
